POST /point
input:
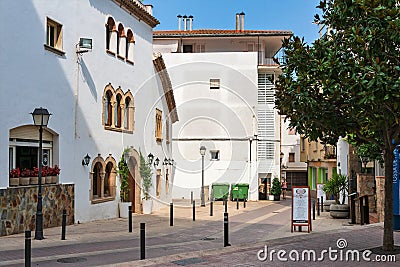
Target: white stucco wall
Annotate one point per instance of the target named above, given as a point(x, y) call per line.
point(34, 77)
point(220, 119)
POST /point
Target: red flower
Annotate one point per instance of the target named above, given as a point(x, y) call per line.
point(15, 173)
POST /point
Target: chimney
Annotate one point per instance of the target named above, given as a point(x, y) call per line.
point(149, 9)
point(190, 23)
point(184, 22)
point(179, 22)
point(242, 21)
point(237, 22)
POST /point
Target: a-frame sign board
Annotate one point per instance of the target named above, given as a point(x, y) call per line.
point(301, 207)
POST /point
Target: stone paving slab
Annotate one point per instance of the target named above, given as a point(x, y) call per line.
point(186, 244)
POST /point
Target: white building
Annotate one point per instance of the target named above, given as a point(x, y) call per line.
point(102, 100)
point(223, 82)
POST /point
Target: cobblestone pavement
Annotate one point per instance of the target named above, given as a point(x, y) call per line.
point(261, 226)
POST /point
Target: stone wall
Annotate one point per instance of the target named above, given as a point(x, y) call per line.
point(380, 198)
point(18, 207)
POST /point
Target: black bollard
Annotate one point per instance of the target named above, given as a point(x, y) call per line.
point(28, 248)
point(63, 224)
point(142, 241)
point(353, 208)
point(313, 209)
point(226, 205)
point(362, 216)
point(211, 208)
point(237, 203)
point(366, 210)
point(194, 210)
point(171, 214)
point(244, 203)
point(130, 219)
point(318, 207)
point(226, 230)
point(322, 204)
point(191, 197)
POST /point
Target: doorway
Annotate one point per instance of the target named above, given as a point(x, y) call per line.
point(132, 191)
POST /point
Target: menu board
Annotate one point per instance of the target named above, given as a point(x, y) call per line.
point(301, 207)
point(320, 192)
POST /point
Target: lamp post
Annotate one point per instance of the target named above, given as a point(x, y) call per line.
point(202, 153)
point(40, 118)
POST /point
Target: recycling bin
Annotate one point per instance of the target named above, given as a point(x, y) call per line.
point(240, 191)
point(220, 191)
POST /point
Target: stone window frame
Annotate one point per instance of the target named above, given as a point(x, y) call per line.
point(111, 175)
point(54, 37)
point(158, 130)
point(119, 40)
point(118, 113)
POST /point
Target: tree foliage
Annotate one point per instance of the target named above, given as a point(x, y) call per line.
point(276, 188)
point(348, 81)
point(337, 185)
point(145, 174)
point(123, 172)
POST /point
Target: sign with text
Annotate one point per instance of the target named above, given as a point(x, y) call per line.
point(301, 214)
point(320, 192)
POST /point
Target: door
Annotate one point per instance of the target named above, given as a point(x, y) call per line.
point(132, 191)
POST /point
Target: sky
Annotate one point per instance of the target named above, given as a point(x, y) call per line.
point(294, 15)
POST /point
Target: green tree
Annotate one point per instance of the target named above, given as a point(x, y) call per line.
point(348, 82)
point(276, 188)
point(123, 172)
point(145, 174)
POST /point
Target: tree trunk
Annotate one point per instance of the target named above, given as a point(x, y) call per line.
point(388, 243)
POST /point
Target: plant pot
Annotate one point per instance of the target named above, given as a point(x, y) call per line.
point(124, 209)
point(339, 211)
point(277, 197)
point(48, 179)
point(147, 206)
point(34, 180)
point(24, 180)
point(54, 179)
point(271, 197)
point(14, 181)
point(327, 204)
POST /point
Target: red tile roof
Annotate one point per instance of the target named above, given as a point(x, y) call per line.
point(206, 32)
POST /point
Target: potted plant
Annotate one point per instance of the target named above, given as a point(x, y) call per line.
point(53, 173)
point(336, 186)
point(145, 173)
point(276, 189)
point(25, 176)
point(123, 173)
point(14, 177)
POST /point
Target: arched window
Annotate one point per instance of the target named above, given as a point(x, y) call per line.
point(97, 171)
point(118, 111)
point(108, 109)
point(107, 179)
point(103, 176)
point(111, 35)
point(126, 113)
point(129, 46)
point(121, 45)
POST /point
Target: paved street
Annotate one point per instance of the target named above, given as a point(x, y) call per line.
point(194, 243)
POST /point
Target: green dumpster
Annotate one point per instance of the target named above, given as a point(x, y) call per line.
point(220, 190)
point(240, 191)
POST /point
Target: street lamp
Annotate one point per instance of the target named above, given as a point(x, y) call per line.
point(202, 153)
point(40, 118)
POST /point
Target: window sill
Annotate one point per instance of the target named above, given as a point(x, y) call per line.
point(158, 139)
point(102, 200)
point(121, 57)
point(54, 50)
point(109, 128)
point(110, 52)
point(129, 62)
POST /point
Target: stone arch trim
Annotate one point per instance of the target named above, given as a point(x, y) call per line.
point(134, 168)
